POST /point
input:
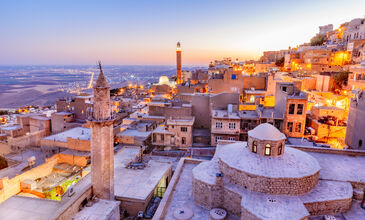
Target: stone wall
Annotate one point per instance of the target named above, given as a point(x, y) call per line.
point(232, 201)
point(12, 186)
point(276, 186)
point(207, 195)
point(25, 141)
point(332, 207)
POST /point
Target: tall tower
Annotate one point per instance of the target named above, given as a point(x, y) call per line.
point(178, 64)
point(102, 152)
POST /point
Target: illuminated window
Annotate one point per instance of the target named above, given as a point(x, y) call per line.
point(267, 150)
point(254, 147)
point(280, 149)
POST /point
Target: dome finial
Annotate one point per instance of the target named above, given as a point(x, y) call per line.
point(101, 81)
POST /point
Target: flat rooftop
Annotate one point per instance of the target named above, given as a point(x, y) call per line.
point(75, 133)
point(22, 157)
point(20, 207)
point(135, 133)
point(182, 196)
point(340, 167)
point(11, 127)
point(224, 114)
point(136, 184)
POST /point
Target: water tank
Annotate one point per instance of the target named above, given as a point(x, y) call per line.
point(230, 107)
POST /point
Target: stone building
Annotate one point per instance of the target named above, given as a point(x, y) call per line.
point(355, 137)
point(264, 179)
point(328, 123)
point(291, 103)
point(225, 125)
point(176, 133)
point(356, 79)
point(79, 105)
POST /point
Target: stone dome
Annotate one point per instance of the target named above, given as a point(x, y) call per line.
point(266, 131)
point(164, 80)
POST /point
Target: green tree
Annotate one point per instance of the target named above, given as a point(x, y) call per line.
point(280, 62)
point(340, 80)
point(3, 163)
point(318, 40)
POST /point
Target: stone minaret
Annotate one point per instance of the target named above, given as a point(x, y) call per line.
point(178, 64)
point(102, 152)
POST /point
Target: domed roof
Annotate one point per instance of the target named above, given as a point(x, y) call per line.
point(164, 80)
point(266, 131)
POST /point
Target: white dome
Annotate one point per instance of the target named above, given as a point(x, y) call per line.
point(164, 80)
point(266, 131)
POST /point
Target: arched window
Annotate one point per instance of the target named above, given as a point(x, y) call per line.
point(280, 149)
point(267, 150)
point(254, 147)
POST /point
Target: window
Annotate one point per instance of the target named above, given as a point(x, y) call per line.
point(231, 139)
point(183, 140)
point(280, 149)
point(162, 137)
point(218, 125)
point(291, 109)
point(298, 127)
point(360, 143)
point(232, 125)
point(300, 109)
point(154, 138)
point(234, 76)
point(290, 126)
point(283, 88)
point(267, 150)
point(217, 138)
point(254, 147)
point(184, 129)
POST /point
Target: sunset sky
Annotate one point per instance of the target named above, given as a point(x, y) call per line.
point(145, 32)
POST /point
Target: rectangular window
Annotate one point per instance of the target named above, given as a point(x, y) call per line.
point(291, 109)
point(283, 88)
point(232, 125)
point(154, 138)
point(298, 127)
point(290, 126)
point(300, 109)
point(162, 137)
point(184, 129)
point(234, 76)
point(232, 139)
point(218, 125)
point(217, 138)
point(183, 140)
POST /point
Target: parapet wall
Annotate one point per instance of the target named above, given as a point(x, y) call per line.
point(275, 186)
point(32, 139)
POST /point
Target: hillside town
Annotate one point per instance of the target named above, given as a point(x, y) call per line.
point(281, 137)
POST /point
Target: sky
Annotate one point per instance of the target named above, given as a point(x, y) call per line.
point(145, 32)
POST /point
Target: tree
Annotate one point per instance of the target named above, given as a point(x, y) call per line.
point(280, 62)
point(3, 163)
point(340, 79)
point(318, 40)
